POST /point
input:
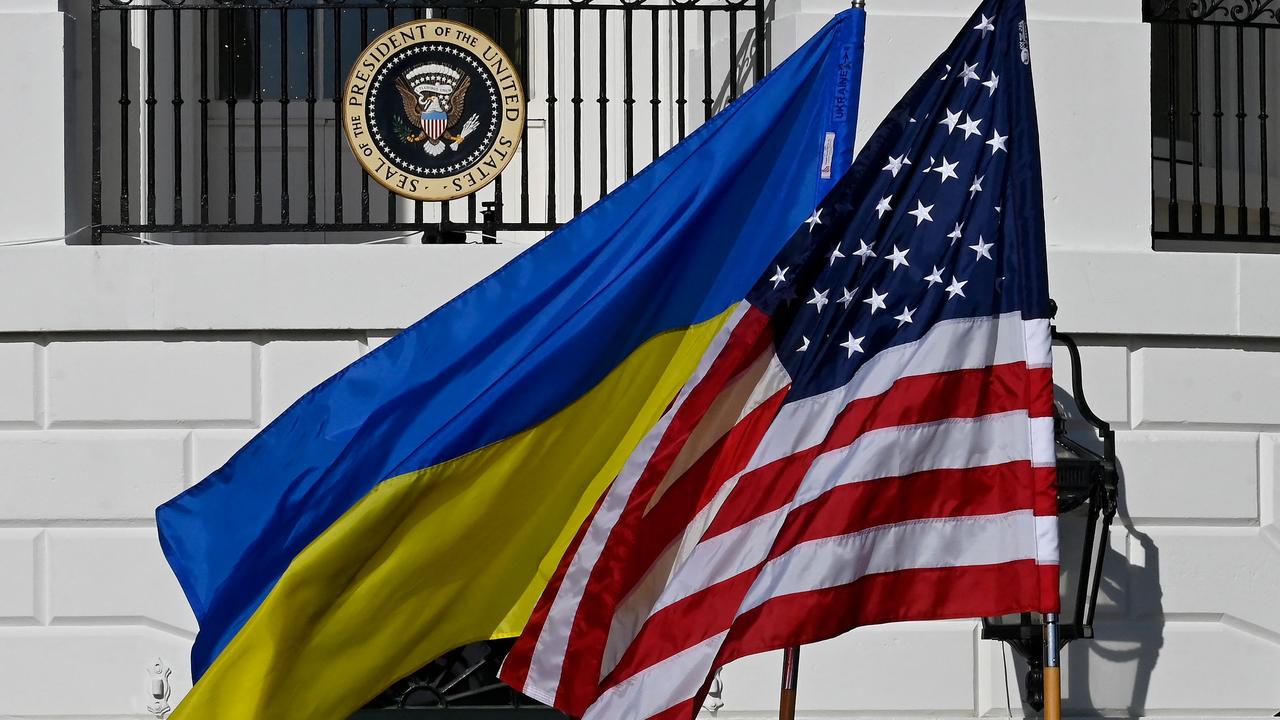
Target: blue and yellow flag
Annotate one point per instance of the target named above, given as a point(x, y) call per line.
point(421, 498)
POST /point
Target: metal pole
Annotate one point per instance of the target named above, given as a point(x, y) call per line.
point(790, 679)
point(1052, 669)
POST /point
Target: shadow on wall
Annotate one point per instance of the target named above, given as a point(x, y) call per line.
point(1127, 646)
point(1110, 675)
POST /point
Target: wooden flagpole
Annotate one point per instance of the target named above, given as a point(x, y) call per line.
point(791, 656)
point(1052, 669)
point(790, 679)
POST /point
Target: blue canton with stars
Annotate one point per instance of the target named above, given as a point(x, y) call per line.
point(940, 217)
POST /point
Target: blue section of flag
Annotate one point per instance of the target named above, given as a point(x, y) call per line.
point(694, 229)
point(942, 217)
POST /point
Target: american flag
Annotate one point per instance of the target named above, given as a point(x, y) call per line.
point(870, 437)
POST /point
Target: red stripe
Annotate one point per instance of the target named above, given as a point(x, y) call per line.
point(616, 571)
point(910, 401)
point(923, 594)
point(847, 509)
point(990, 490)
point(1050, 599)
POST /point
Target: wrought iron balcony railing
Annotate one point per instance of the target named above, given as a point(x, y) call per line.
point(1215, 164)
point(214, 120)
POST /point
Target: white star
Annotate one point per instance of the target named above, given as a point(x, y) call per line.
point(952, 120)
point(864, 252)
point(853, 344)
point(899, 257)
point(947, 74)
point(804, 344)
point(971, 128)
point(928, 168)
point(956, 287)
point(983, 249)
point(896, 163)
point(836, 254)
point(922, 213)
point(969, 73)
point(976, 187)
point(815, 219)
point(985, 25)
point(905, 317)
point(883, 206)
point(947, 170)
point(993, 83)
point(957, 234)
point(846, 298)
point(779, 276)
point(819, 299)
point(936, 277)
point(876, 301)
point(997, 142)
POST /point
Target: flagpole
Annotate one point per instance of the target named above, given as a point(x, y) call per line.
point(1052, 669)
point(791, 655)
point(790, 679)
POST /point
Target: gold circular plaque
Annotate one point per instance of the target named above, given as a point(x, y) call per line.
point(433, 110)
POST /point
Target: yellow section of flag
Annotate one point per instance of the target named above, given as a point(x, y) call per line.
point(454, 543)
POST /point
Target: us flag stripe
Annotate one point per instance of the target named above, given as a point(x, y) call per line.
point(846, 511)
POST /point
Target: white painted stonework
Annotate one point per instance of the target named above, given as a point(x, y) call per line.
point(129, 373)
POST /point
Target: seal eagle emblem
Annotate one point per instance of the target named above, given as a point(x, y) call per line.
point(433, 110)
point(434, 97)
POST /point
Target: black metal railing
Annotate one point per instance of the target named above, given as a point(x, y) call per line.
point(1214, 83)
point(214, 120)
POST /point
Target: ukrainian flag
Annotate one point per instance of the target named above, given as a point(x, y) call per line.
point(420, 499)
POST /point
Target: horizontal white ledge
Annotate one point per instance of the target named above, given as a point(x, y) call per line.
point(55, 289)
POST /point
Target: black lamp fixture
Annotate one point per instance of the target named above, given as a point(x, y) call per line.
point(1087, 486)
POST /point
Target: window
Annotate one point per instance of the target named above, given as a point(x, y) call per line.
point(1215, 85)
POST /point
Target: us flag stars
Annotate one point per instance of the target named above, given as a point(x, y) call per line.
point(914, 245)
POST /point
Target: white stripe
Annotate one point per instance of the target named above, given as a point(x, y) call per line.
point(950, 345)
point(740, 396)
point(887, 452)
point(905, 449)
point(658, 687)
point(935, 543)
point(1039, 343)
point(1043, 453)
point(546, 662)
point(1047, 540)
point(828, 562)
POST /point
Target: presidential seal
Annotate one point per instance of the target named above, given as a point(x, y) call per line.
point(433, 110)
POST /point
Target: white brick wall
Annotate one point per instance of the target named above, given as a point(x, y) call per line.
point(129, 373)
point(1191, 386)
point(17, 384)
point(18, 551)
point(89, 474)
point(148, 382)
